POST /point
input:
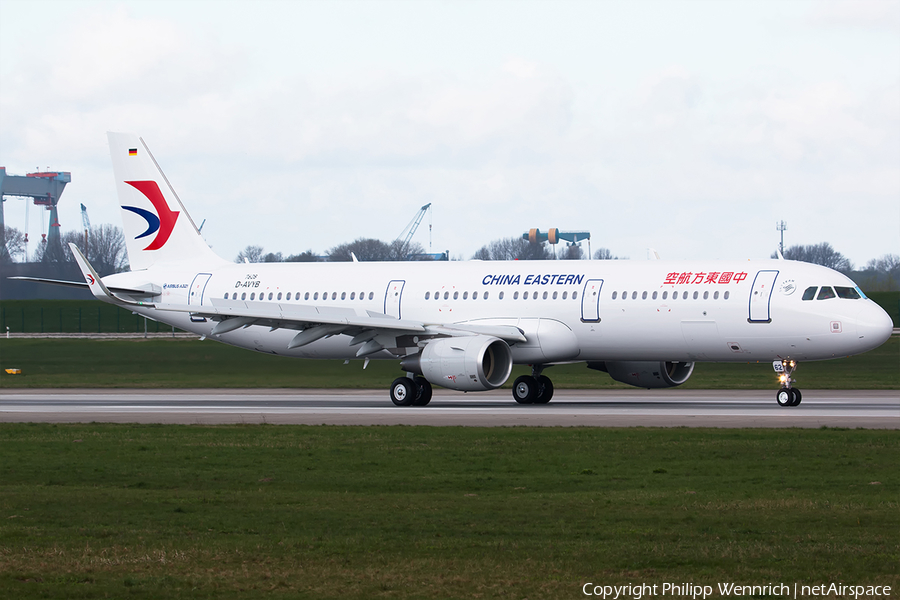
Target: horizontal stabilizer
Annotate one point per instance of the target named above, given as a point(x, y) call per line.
point(84, 285)
point(95, 283)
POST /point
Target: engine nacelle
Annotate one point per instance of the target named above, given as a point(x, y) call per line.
point(471, 363)
point(647, 374)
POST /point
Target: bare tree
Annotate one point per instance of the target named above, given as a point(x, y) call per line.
point(105, 250)
point(307, 256)
point(401, 252)
point(880, 275)
point(573, 252)
point(273, 257)
point(253, 254)
point(819, 254)
point(604, 254)
point(12, 244)
point(514, 248)
point(365, 249)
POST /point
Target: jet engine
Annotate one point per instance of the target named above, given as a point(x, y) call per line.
point(647, 374)
point(468, 363)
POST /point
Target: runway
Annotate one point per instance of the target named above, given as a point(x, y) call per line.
point(879, 409)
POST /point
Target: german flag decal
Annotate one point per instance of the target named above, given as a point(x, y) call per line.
point(132, 152)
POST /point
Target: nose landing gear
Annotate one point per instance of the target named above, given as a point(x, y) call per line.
point(787, 395)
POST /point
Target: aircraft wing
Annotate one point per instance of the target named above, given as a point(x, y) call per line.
point(315, 322)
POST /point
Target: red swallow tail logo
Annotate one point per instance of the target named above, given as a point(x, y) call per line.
point(164, 224)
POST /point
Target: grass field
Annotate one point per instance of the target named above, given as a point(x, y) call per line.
point(179, 363)
point(118, 511)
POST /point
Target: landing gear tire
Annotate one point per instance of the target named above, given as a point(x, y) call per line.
point(525, 389)
point(423, 397)
point(797, 397)
point(403, 391)
point(545, 390)
point(785, 397)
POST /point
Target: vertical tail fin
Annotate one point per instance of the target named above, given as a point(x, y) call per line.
point(158, 229)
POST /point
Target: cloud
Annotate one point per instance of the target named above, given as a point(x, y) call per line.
point(673, 157)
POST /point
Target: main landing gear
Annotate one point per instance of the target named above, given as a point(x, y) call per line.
point(534, 388)
point(787, 395)
point(407, 391)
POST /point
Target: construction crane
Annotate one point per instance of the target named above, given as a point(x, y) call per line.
point(406, 235)
point(85, 220)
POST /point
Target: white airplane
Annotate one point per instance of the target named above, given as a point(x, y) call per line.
point(463, 325)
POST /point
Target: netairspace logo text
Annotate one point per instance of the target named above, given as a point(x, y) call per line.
point(694, 591)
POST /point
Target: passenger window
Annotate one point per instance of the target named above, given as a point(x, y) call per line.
point(253, 296)
point(644, 296)
point(343, 295)
point(574, 295)
point(485, 295)
point(306, 296)
point(525, 296)
point(847, 293)
point(696, 295)
point(726, 295)
point(456, 295)
point(674, 295)
point(810, 292)
point(353, 295)
point(624, 295)
point(565, 294)
point(545, 295)
point(654, 295)
point(825, 293)
point(634, 295)
point(334, 295)
point(715, 295)
point(279, 296)
point(501, 296)
point(515, 295)
point(446, 295)
point(427, 295)
point(465, 295)
point(244, 296)
point(288, 297)
point(316, 296)
point(474, 295)
point(554, 295)
point(614, 296)
point(226, 295)
point(371, 295)
point(706, 295)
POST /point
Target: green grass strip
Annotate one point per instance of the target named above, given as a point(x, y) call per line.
point(180, 363)
point(121, 511)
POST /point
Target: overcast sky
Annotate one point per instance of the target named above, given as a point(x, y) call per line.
point(688, 127)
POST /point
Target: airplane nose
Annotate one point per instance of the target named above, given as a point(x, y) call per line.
point(873, 325)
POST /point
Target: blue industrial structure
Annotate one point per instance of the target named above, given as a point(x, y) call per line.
point(554, 235)
point(44, 188)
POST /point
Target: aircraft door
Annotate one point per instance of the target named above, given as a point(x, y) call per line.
point(392, 297)
point(195, 293)
point(590, 301)
point(760, 297)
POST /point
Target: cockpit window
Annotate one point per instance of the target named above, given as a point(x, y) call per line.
point(848, 293)
point(810, 292)
point(825, 293)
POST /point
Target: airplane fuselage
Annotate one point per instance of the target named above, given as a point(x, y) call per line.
point(723, 311)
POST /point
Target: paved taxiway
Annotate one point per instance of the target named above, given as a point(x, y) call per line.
point(658, 408)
